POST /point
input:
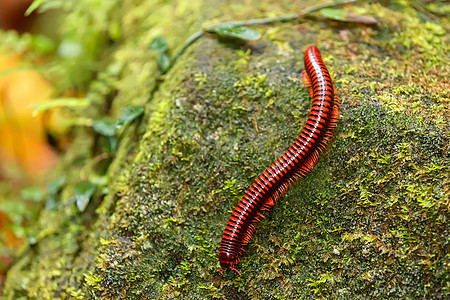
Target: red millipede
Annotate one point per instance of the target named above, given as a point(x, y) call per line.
point(294, 164)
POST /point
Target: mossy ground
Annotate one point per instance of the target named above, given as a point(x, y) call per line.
point(370, 221)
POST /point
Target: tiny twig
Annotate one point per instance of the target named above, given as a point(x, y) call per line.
point(94, 161)
point(419, 6)
point(284, 18)
point(324, 5)
point(191, 40)
point(197, 35)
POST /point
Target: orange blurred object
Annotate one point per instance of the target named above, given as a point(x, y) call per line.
point(7, 235)
point(22, 138)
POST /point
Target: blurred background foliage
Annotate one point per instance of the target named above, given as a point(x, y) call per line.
point(41, 59)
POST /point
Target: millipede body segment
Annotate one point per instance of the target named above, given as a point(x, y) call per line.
point(294, 164)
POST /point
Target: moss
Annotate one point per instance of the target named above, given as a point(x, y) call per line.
point(370, 221)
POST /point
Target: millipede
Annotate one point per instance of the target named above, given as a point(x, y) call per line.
point(293, 165)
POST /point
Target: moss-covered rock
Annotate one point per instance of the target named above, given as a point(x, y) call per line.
point(370, 221)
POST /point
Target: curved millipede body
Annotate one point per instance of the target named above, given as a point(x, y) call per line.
point(294, 164)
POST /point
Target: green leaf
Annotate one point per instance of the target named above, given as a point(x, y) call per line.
point(129, 113)
point(163, 61)
point(55, 185)
point(59, 102)
point(361, 19)
point(102, 183)
point(42, 43)
point(15, 210)
point(158, 44)
point(234, 31)
point(34, 193)
point(50, 203)
point(83, 192)
point(112, 144)
point(104, 126)
point(340, 15)
point(33, 6)
point(334, 14)
point(45, 5)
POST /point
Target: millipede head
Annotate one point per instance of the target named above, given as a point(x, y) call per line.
point(228, 260)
